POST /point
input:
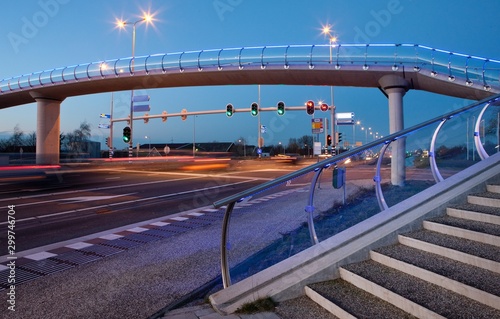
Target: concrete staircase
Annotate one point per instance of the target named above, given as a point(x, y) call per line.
point(448, 269)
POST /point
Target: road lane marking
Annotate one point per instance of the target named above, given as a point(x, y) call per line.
point(126, 202)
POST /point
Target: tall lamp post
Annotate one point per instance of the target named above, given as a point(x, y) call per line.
point(122, 24)
point(327, 30)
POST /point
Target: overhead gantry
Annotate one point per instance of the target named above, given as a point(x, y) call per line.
point(394, 68)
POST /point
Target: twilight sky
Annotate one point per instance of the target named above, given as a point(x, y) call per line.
point(44, 34)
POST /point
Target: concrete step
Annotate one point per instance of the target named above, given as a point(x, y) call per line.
point(449, 269)
point(490, 199)
point(345, 300)
point(475, 212)
point(412, 294)
point(482, 232)
point(456, 248)
point(456, 276)
point(493, 188)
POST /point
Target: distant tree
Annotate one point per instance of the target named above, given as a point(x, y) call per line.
point(76, 141)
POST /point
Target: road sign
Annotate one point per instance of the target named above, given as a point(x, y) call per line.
point(263, 129)
point(104, 126)
point(317, 125)
point(140, 106)
point(105, 116)
point(259, 151)
point(345, 118)
point(317, 148)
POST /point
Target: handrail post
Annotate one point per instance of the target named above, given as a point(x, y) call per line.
point(432, 155)
point(377, 179)
point(226, 276)
point(310, 208)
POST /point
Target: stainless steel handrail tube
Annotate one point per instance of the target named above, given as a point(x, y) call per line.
point(477, 137)
point(432, 155)
point(226, 276)
point(378, 179)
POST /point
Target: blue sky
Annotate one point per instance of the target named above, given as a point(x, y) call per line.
point(69, 32)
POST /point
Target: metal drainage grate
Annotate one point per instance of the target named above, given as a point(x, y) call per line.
point(100, 250)
point(46, 266)
point(21, 276)
point(174, 228)
point(159, 233)
point(141, 237)
point(76, 258)
point(121, 243)
point(195, 222)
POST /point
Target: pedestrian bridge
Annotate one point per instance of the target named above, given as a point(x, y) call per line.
point(394, 68)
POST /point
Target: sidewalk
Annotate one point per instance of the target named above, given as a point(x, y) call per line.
point(140, 281)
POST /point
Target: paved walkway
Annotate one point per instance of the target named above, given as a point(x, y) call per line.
point(139, 281)
point(206, 312)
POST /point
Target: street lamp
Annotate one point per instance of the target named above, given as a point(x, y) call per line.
point(326, 30)
point(122, 24)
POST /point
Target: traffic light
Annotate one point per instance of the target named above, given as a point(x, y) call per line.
point(338, 138)
point(127, 133)
point(328, 140)
point(255, 109)
point(164, 116)
point(281, 108)
point(146, 120)
point(107, 141)
point(324, 107)
point(229, 110)
point(184, 114)
point(310, 107)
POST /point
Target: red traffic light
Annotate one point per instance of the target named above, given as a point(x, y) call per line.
point(310, 107)
point(324, 107)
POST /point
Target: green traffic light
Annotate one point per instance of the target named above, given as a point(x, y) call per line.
point(229, 110)
point(281, 108)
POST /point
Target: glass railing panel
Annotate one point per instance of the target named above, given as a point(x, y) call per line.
point(488, 129)
point(106, 69)
point(44, 78)
point(153, 63)
point(170, 61)
point(274, 55)
point(232, 57)
point(56, 75)
point(68, 74)
point(297, 54)
point(189, 60)
point(81, 72)
point(209, 59)
point(138, 64)
point(24, 81)
point(244, 57)
point(276, 220)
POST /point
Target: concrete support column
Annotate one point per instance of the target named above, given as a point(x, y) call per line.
point(48, 131)
point(395, 87)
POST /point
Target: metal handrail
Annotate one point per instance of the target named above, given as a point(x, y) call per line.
point(229, 202)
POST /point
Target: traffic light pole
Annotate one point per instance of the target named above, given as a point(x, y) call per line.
point(111, 128)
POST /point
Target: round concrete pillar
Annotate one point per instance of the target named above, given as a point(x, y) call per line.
point(395, 87)
point(47, 131)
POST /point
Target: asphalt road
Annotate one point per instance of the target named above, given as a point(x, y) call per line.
point(76, 201)
point(72, 202)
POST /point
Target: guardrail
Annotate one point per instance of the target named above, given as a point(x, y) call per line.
point(472, 69)
point(482, 131)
